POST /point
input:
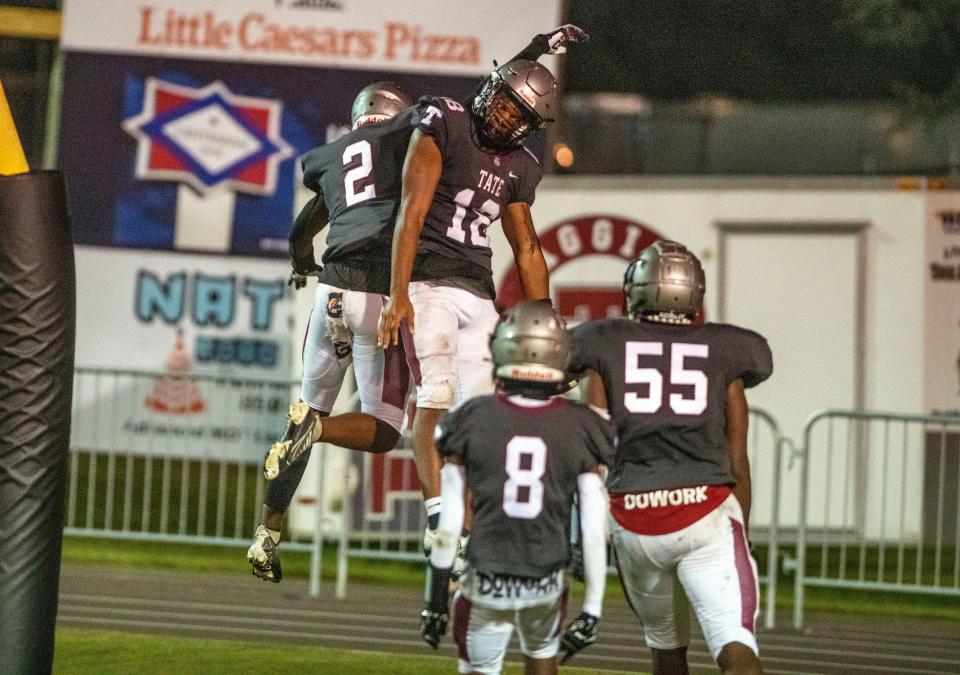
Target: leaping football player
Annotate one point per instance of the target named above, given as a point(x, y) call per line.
point(357, 184)
point(523, 454)
point(467, 167)
point(680, 481)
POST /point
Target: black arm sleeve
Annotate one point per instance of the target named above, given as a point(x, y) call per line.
point(538, 46)
point(300, 243)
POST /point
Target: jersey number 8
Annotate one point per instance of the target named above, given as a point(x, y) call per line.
point(526, 463)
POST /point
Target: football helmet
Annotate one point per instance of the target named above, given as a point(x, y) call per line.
point(377, 102)
point(530, 344)
point(517, 99)
point(665, 283)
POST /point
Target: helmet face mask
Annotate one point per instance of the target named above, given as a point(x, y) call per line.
point(530, 348)
point(377, 102)
point(665, 284)
point(516, 100)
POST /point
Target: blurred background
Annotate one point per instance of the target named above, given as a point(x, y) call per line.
point(750, 87)
point(808, 151)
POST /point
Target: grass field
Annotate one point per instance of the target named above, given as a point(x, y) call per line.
point(297, 565)
point(105, 652)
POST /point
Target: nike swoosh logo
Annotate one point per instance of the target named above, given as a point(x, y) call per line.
point(513, 175)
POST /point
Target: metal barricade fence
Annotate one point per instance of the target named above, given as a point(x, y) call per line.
point(879, 504)
point(766, 447)
point(160, 456)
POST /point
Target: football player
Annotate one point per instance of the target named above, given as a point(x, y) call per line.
point(357, 184)
point(467, 166)
point(680, 482)
point(358, 198)
point(522, 455)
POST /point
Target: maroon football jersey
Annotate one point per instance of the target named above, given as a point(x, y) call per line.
point(359, 176)
point(666, 388)
point(522, 465)
point(476, 184)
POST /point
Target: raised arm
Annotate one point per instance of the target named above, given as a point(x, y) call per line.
point(421, 173)
point(552, 42)
point(518, 227)
point(737, 420)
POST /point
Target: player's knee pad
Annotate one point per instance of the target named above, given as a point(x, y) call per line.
point(436, 390)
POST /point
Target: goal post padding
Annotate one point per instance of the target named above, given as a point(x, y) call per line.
point(37, 330)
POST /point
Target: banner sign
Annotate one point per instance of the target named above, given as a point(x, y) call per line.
point(181, 354)
point(152, 311)
point(417, 36)
point(199, 156)
point(942, 325)
point(183, 123)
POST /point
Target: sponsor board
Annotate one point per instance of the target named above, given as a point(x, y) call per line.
point(200, 156)
point(213, 340)
point(432, 36)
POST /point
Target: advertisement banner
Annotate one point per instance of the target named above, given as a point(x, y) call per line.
point(133, 309)
point(942, 326)
point(200, 156)
point(188, 352)
point(417, 36)
point(183, 122)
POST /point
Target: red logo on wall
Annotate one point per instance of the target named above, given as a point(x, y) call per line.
point(582, 297)
point(393, 477)
point(176, 394)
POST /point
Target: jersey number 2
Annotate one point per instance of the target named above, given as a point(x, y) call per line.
point(653, 378)
point(526, 463)
point(358, 159)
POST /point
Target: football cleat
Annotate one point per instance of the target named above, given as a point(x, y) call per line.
point(302, 421)
point(264, 556)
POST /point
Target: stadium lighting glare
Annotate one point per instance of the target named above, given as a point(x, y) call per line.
point(563, 155)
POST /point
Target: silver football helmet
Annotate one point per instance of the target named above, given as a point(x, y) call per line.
point(665, 283)
point(530, 344)
point(517, 99)
point(377, 102)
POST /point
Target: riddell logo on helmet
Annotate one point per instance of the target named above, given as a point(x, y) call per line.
point(531, 374)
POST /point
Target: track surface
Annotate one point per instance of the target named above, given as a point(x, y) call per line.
point(239, 607)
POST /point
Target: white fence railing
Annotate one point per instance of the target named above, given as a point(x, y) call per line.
point(890, 515)
point(164, 457)
point(177, 457)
